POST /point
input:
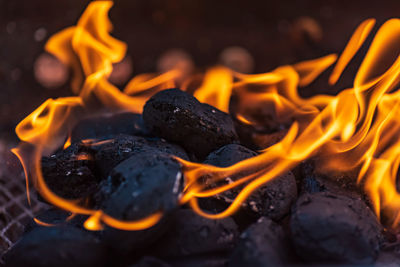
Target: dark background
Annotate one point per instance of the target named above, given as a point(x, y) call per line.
point(203, 28)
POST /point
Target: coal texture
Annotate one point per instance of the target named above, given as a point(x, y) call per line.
point(258, 138)
point(55, 216)
point(334, 229)
point(70, 172)
point(136, 188)
point(275, 199)
point(110, 153)
point(57, 246)
point(272, 200)
point(105, 127)
point(179, 117)
point(264, 243)
point(314, 181)
point(191, 234)
point(229, 155)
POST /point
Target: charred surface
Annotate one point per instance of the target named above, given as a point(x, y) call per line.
point(139, 187)
point(57, 246)
point(179, 117)
point(329, 228)
point(70, 173)
point(264, 243)
point(110, 153)
point(191, 234)
point(272, 200)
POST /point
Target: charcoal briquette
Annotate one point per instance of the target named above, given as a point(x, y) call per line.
point(314, 181)
point(335, 229)
point(191, 234)
point(272, 200)
point(136, 188)
point(229, 155)
point(179, 117)
point(258, 138)
point(54, 216)
point(57, 246)
point(69, 173)
point(264, 243)
point(110, 153)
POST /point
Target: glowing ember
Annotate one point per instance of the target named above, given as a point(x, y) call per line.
point(355, 130)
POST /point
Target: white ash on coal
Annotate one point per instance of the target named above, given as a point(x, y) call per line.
point(179, 117)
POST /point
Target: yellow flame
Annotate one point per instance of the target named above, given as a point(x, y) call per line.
point(354, 130)
point(67, 143)
point(355, 42)
point(216, 88)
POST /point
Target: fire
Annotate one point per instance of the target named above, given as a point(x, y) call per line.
point(354, 130)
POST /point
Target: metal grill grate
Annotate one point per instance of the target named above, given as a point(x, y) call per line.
point(15, 211)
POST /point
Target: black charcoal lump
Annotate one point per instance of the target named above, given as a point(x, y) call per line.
point(137, 188)
point(179, 117)
point(191, 234)
point(56, 217)
point(229, 155)
point(315, 181)
point(263, 244)
point(275, 198)
point(272, 200)
point(70, 172)
point(110, 153)
point(61, 246)
point(141, 185)
point(332, 228)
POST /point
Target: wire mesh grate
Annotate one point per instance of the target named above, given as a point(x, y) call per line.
point(15, 212)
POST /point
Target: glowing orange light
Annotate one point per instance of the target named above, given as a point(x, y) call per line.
point(354, 130)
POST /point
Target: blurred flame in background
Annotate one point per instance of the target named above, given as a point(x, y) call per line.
point(355, 130)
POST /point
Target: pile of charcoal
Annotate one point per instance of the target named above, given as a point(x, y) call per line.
point(124, 164)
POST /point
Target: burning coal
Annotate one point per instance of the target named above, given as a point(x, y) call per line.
point(355, 130)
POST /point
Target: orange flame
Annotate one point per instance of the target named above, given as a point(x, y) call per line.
point(355, 130)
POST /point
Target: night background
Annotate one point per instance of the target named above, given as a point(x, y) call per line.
point(247, 36)
point(273, 32)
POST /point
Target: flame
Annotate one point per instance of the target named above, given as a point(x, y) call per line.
point(216, 88)
point(354, 130)
point(67, 143)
